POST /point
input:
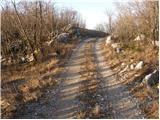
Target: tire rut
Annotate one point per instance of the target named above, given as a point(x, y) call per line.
point(120, 102)
point(86, 93)
point(67, 101)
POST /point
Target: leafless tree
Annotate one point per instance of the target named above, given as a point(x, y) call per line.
point(34, 23)
point(100, 27)
point(109, 25)
point(134, 18)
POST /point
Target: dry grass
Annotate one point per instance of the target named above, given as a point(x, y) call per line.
point(89, 88)
point(152, 110)
point(25, 83)
point(22, 86)
point(131, 54)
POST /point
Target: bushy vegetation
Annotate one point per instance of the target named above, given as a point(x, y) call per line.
point(134, 18)
point(32, 24)
point(26, 29)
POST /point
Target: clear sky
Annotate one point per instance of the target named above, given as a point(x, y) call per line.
point(93, 11)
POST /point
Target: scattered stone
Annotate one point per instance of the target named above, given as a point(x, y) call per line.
point(96, 110)
point(22, 59)
point(115, 45)
point(136, 75)
point(63, 37)
point(94, 96)
point(156, 43)
point(30, 58)
point(123, 64)
point(48, 91)
point(102, 99)
point(131, 66)
point(139, 65)
point(114, 111)
point(118, 50)
point(131, 60)
point(99, 95)
point(36, 113)
point(152, 78)
point(147, 77)
point(140, 37)
point(109, 40)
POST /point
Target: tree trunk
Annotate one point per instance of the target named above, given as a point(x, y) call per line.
point(41, 22)
point(25, 34)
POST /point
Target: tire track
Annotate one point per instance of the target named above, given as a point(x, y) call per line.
point(87, 89)
point(121, 104)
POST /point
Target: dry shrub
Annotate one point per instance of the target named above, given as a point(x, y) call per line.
point(149, 55)
point(37, 78)
point(151, 110)
point(30, 86)
point(29, 90)
point(128, 24)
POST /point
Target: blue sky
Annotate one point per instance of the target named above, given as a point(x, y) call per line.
point(93, 11)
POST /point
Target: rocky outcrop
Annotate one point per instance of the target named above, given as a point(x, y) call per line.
point(63, 37)
point(139, 65)
point(152, 79)
point(109, 40)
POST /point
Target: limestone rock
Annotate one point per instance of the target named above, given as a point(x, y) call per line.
point(109, 40)
point(131, 66)
point(140, 37)
point(156, 43)
point(152, 78)
point(123, 64)
point(30, 58)
point(63, 37)
point(115, 45)
point(139, 65)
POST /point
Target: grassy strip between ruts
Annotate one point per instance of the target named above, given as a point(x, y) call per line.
point(88, 88)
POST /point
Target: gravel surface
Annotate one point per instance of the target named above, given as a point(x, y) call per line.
point(113, 100)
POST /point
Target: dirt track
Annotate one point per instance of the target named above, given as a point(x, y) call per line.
point(111, 97)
